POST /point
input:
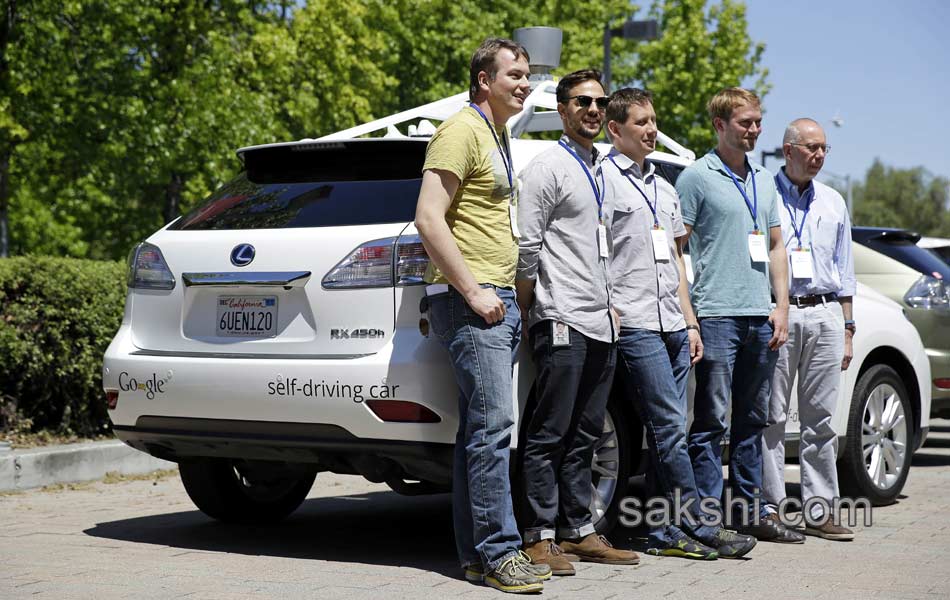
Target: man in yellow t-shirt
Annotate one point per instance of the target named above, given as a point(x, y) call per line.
point(466, 218)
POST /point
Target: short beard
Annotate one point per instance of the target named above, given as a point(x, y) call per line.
point(585, 133)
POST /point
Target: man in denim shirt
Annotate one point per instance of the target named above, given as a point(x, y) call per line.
point(464, 217)
point(659, 337)
point(735, 241)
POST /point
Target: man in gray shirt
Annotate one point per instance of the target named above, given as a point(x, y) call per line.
point(659, 335)
point(562, 290)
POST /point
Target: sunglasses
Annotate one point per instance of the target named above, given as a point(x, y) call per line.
point(584, 101)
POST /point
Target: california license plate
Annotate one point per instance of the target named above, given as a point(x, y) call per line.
point(247, 316)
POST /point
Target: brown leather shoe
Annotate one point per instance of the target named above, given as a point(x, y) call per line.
point(596, 548)
point(546, 552)
point(829, 531)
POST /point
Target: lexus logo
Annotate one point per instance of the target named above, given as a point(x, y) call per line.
point(242, 255)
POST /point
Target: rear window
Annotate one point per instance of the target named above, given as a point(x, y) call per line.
point(323, 184)
point(905, 250)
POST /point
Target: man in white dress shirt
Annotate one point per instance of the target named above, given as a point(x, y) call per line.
point(816, 228)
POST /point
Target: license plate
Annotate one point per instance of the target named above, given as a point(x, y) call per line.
point(247, 316)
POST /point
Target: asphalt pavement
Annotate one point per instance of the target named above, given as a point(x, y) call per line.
point(352, 540)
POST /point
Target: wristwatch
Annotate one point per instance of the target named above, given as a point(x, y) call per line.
point(850, 326)
point(693, 327)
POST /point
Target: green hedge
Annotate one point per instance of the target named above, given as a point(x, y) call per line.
point(57, 316)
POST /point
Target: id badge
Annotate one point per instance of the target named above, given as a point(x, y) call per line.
point(513, 218)
point(661, 246)
point(602, 241)
point(560, 334)
point(801, 264)
point(757, 248)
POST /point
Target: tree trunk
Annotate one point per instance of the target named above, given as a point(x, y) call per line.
point(4, 204)
point(173, 198)
point(7, 20)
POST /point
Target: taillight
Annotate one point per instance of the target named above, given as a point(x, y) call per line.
point(112, 399)
point(402, 411)
point(148, 269)
point(374, 264)
point(411, 260)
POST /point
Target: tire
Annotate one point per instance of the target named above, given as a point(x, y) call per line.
point(878, 452)
point(610, 468)
point(219, 490)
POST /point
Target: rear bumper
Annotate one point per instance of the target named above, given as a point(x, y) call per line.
point(327, 447)
point(289, 410)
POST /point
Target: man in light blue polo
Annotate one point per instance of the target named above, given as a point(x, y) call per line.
point(735, 239)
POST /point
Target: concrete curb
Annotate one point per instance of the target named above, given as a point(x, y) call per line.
point(39, 467)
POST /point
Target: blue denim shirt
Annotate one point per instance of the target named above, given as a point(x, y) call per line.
point(826, 233)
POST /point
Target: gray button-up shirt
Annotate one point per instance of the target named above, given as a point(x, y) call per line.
point(826, 232)
point(558, 217)
point(644, 290)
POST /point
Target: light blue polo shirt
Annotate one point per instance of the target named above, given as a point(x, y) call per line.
point(726, 283)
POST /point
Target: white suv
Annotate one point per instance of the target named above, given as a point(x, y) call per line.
point(275, 332)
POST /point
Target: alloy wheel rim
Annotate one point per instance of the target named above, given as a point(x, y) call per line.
point(884, 436)
point(605, 468)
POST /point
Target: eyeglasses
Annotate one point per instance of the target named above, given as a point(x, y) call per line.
point(584, 101)
point(812, 148)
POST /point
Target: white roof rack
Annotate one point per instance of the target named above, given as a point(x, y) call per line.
point(539, 114)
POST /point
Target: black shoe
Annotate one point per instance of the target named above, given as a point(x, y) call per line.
point(771, 529)
point(730, 544)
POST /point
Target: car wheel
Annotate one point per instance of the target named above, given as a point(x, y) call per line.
point(610, 468)
point(220, 490)
point(877, 455)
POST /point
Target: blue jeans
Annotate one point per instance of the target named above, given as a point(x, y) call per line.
point(657, 369)
point(482, 356)
point(572, 389)
point(736, 364)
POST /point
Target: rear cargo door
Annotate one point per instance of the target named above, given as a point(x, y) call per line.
point(291, 258)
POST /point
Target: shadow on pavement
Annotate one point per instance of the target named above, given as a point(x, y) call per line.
point(380, 528)
point(922, 458)
point(937, 442)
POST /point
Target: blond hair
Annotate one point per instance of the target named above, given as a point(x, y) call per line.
point(725, 101)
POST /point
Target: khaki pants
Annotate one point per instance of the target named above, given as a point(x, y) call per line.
point(813, 354)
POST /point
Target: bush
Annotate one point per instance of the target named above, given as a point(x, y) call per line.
point(57, 316)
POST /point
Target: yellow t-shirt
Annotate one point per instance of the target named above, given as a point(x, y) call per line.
point(478, 216)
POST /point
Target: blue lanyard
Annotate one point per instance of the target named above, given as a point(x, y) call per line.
point(800, 229)
point(656, 222)
point(754, 205)
point(504, 150)
point(598, 198)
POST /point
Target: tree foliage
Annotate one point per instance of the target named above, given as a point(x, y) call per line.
point(907, 198)
point(702, 50)
point(118, 115)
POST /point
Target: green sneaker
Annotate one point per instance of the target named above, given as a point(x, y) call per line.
point(686, 547)
point(475, 572)
point(513, 577)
